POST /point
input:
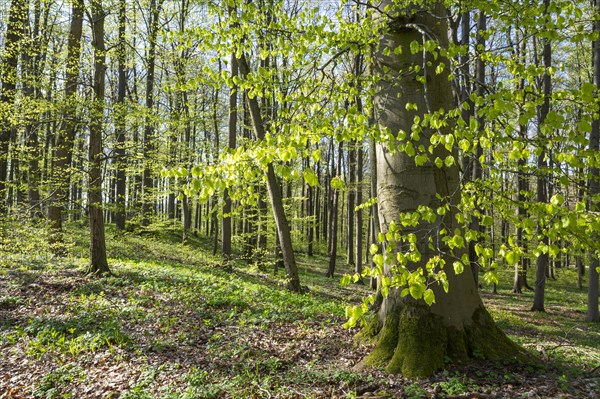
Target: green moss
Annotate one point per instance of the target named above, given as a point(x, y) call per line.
point(370, 331)
point(416, 343)
point(457, 350)
point(422, 343)
point(387, 342)
point(487, 341)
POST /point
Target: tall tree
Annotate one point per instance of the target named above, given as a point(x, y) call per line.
point(149, 146)
point(274, 190)
point(232, 126)
point(120, 117)
point(8, 80)
point(413, 338)
point(542, 181)
point(65, 136)
point(98, 261)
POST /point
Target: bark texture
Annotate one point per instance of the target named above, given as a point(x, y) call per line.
point(274, 190)
point(98, 261)
point(412, 338)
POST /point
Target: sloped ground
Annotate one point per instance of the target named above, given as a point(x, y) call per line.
point(171, 323)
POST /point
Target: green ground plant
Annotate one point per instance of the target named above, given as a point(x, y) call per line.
point(171, 323)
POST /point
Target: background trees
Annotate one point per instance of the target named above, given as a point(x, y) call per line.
point(160, 148)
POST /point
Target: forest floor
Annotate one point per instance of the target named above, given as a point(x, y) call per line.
point(173, 323)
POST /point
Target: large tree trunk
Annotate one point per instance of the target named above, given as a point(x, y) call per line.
point(98, 262)
point(411, 337)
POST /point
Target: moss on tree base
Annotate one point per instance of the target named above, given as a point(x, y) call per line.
point(415, 342)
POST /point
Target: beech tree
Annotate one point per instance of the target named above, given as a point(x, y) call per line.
point(412, 337)
point(66, 134)
point(8, 81)
point(98, 261)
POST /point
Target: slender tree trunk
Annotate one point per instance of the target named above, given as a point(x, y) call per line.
point(149, 146)
point(233, 115)
point(310, 217)
point(120, 122)
point(358, 266)
point(542, 263)
point(66, 133)
point(281, 222)
point(351, 204)
point(520, 275)
point(8, 76)
point(98, 261)
point(333, 233)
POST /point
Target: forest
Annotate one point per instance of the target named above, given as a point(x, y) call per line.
point(299, 199)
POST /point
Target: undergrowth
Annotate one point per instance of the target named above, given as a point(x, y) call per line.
point(173, 322)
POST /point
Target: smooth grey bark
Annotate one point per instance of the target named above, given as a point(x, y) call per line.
point(149, 124)
point(333, 228)
point(351, 203)
point(358, 262)
point(98, 261)
point(274, 190)
point(412, 338)
point(232, 126)
point(542, 262)
point(120, 122)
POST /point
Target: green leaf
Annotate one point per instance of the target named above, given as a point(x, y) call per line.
point(196, 171)
point(415, 47)
point(417, 290)
point(337, 183)
point(557, 199)
point(429, 296)
point(512, 257)
point(311, 177)
point(374, 249)
point(458, 267)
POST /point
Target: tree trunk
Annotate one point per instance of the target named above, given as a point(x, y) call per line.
point(233, 115)
point(412, 338)
point(66, 132)
point(281, 222)
point(351, 203)
point(8, 72)
point(358, 267)
point(120, 123)
point(335, 202)
point(98, 262)
point(542, 262)
point(149, 145)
